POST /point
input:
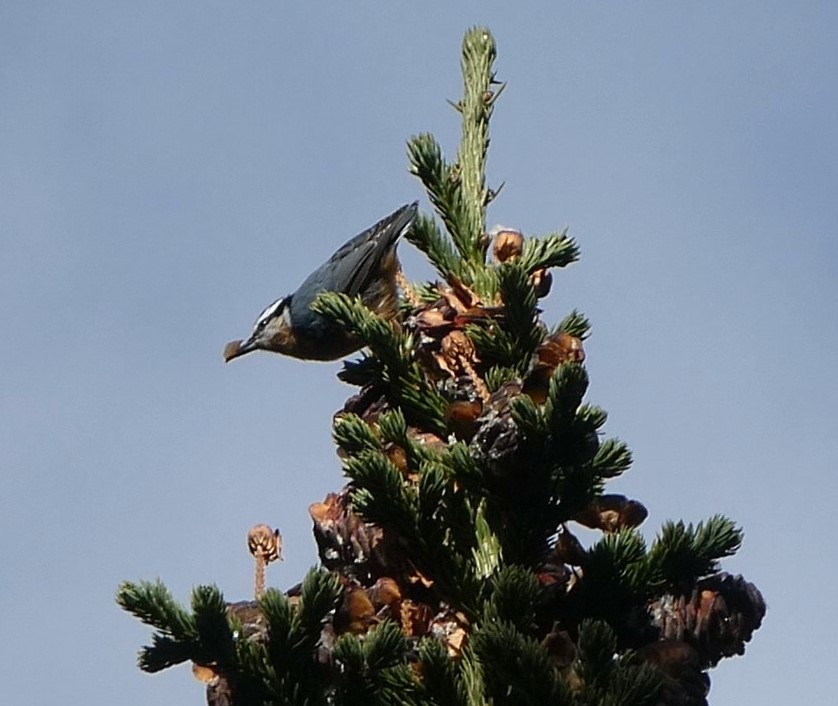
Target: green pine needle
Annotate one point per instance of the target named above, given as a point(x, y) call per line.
point(478, 56)
point(441, 678)
point(385, 645)
point(521, 311)
point(442, 182)
point(401, 374)
point(353, 435)
point(381, 496)
point(497, 376)
point(595, 653)
point(593, 415)
point(211, 624)
point(568, 386)
point(349, 650)
point(683, 553)
point(426, 236)
point(616, 564)
point(515, 597)
point(554, 250)
point(612, 459)
point(361, 372)
point(487, 552)
point(393, 427)
point(516, 667)
point(279, 614)
point(576, 324)
point(164, 652)
point(154, 605)
point(319, 596)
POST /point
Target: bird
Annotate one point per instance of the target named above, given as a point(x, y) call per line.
point(365, 266)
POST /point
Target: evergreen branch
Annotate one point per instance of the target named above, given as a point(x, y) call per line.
point(616, 572)
point(319, 596)
point(521, 313)
point(474, 684)
point(717, 538)
point(214, 634)
point(612, 459)
point(495, 346)
point(531, 420)
point(433, 482)
point(291, 671)
point(364, 371)
point(484, 280)
point(441, 679)
point(393, 427)
point(373, 672)
point(498, 375)
point(576, 324)
point(575, 485)
point(510, 341)
point(154, 605)
point(397, 686)
point(554, 250)
point(568, 386)
point(427, 292)
point(442, 182)
point(516, 668)
point(279, 614)
point(381, 496)
point(446, 535)
point(419, 453)
point(204, 636)
point(683, 553)
point(514, 597)
point(574, 440)
point(384, 646)
point(463, 466)
point(165, 652)
point(426, 236)
point(595, 653)
point(610, 678)
point(633, 683)
point(478, 56)
point(487, 551)
point(401, 374)
point(353, 435)
point(349, 651)
point(592, 415)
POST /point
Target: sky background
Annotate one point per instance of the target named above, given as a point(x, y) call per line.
point(168, 169)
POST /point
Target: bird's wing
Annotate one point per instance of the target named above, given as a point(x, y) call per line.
point(355, 262)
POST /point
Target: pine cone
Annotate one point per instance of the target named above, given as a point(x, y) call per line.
point(497, 438)
point(717, 618)
point(346, 543)
point(611, 513)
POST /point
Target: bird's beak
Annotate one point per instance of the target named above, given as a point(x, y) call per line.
point(234, 349)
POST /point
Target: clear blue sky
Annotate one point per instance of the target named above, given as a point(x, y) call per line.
point(167, 169)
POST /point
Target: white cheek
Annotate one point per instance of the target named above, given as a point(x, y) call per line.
point(286, 317)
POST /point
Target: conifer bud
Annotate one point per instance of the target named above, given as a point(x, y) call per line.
point(509, 243)
point(264, 542)
point(611, 513)
point(542, 280)
point(398, 457)
point(385, 592)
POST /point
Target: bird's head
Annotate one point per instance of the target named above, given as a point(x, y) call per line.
point(272, 331)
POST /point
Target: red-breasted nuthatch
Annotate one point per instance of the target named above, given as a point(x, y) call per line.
point(366, 266)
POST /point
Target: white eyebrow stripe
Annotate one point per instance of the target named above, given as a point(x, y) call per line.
point(271, 309)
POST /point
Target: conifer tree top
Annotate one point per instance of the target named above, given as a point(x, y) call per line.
point(451, 568)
